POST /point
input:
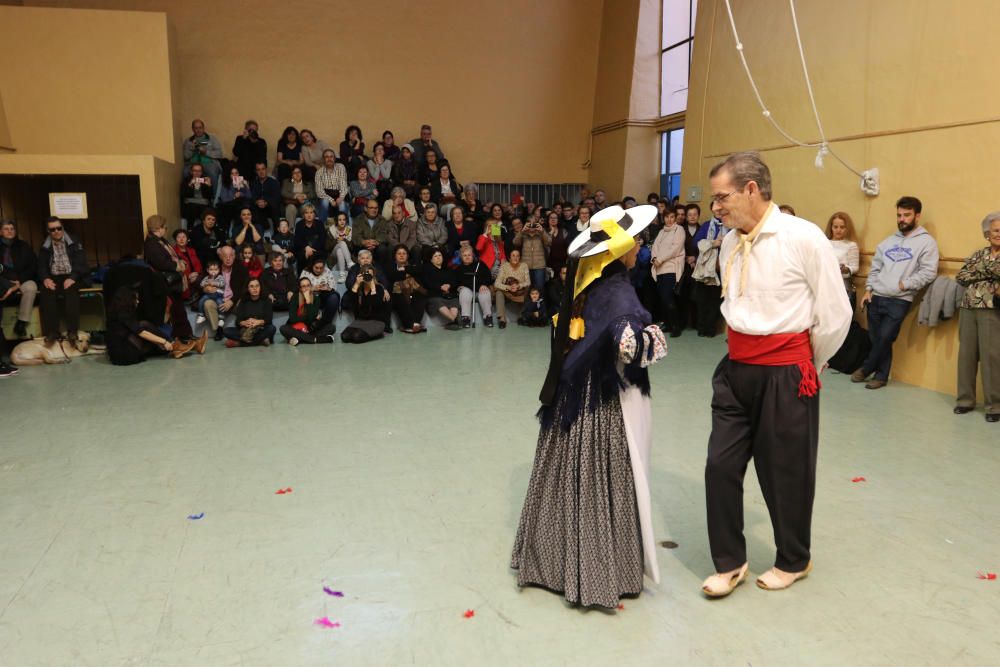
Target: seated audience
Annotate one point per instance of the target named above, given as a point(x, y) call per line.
point(192, 265)
point(511, 284)
point(474, 282)
point(233, 194)
point(352, 151)
point(250, 261)
point(380, 170)
point(324, 284)
point(234, 282)
point(558, 242)
point(19, 267)
point(489, 248)
point(310, 239)
point(208, 237)
point(289, 154)
point(365, 259)
point(340, 245)
point(248, 232)
point(253, 319)
point(266, 193)
point(425, 144)
point(442, 292)
point(204, 149)
point(304, 318)
point(429, 169)
point(160, 255)
point(432, 233)
point(312, 153)
point(392, 151)
point(424, 200)
point(979, 324)
point(212, 287)
point(840, 231)
point(461, 233)
point(370, 303)
point(197, 193)
point(279, 282)
point(403, 231)
point(408, 295)
point(535, 312)
point(445, 190)
point(331, 186)
point(250, 150)
point(362, 189)
point(397, 197)
point(283, 243)
point(474, 209)
point(370, 231)
point(295, 192)
point(130, 340)
point(405, 171)
point(533, 241)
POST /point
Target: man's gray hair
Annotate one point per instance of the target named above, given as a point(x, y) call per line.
point(745, 167)
point(397, 191)
point(989, 220)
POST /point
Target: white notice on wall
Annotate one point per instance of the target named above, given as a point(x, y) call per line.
point(71, 205)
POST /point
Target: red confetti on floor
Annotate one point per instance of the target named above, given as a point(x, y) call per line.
point(469, 613)
point(987, 576)
point(621, 607)
point(280, 492)
point(859, 479)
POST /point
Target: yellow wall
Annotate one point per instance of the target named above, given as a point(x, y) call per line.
point(508, 86)
point(625, 149)
point(86, 82)
point(910, 79)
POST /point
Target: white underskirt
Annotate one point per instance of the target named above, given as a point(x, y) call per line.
point(638, 415)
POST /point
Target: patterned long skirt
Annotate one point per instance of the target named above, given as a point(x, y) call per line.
point(579, 532)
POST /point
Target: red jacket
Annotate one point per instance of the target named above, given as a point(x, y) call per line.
point(484, 247)
point(189, 257)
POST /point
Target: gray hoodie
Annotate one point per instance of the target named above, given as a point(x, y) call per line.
point(912, 260)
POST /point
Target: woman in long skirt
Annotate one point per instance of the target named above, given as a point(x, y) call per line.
point(586, 527)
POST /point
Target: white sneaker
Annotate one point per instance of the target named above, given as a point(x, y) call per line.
point(293, 341)
point(342, 276)
point(222, 323)
point(200, 319)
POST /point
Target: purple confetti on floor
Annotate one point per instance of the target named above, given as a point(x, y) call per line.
point(336, 594)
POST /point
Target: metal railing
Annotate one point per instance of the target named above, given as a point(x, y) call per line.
point(544, 194)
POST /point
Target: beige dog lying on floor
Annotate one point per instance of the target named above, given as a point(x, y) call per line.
point(35, 353)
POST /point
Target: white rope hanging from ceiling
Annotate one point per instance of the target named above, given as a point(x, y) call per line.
point(823, 145)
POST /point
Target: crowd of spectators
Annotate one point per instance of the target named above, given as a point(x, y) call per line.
point(389, 231)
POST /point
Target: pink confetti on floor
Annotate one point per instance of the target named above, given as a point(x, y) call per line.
point(859, 479)
point(469, 613)
point(326, 622)
point(281, 492)
point(330, 591)
point(987, 576)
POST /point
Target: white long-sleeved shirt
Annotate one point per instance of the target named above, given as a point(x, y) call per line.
point(793, 284)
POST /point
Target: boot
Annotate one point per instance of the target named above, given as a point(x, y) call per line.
point(199, 345)
point(180, 349)
point(21, 330)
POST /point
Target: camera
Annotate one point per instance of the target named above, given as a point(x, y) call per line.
point(253, 133)
point(368, 274)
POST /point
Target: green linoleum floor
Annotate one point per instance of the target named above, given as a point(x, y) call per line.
point(408, 459)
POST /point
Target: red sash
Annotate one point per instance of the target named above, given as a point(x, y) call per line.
point(777, 350)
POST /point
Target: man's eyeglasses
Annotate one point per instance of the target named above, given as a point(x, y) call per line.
point(53, 230)
point(718, 199)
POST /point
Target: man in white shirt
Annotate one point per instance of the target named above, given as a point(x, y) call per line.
point(331, 179)
point(784, 303)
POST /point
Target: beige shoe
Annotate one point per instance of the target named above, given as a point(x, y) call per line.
point(772, 581)
point(199, 345)
point(721, 585)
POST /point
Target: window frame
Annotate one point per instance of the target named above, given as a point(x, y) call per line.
point(684, 43)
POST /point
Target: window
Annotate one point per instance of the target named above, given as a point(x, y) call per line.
point(671, 149)
point(677, 45)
